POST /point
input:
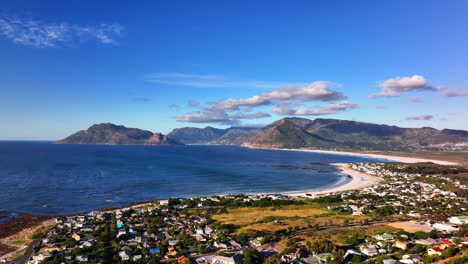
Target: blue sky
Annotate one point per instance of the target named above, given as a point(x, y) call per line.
point(159, 65)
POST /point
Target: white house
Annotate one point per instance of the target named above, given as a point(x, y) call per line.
point(459, 220)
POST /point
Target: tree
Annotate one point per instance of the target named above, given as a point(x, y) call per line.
point(427, 259)
point(251, 256)
point(421, 235)
point(154, 260)
point(448, 252)
point(356, 259)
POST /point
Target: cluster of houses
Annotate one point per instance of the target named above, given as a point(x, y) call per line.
point(138, 233)
point(165, 230)
point(406, 192)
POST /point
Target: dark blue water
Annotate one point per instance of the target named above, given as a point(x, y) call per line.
point(44, 178)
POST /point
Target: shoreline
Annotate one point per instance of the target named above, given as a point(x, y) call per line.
point(358, 181)
point(379, 156)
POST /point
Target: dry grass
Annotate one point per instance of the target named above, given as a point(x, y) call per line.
point(410, 226)
point(293, 216)
point(338, 235)
point(249, 215)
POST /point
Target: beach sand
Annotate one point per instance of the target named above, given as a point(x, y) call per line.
point(378, 156)
point(358, 181)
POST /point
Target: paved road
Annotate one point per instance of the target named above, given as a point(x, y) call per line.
point(27, 254)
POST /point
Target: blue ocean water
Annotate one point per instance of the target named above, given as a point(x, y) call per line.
point(45, 178)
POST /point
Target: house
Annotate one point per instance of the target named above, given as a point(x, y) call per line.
point(427, 242)
point(124, 255)
point(41, 256)
point(76, 237)
point(401, 245)
point(235, 259)
point(459, 220)
point(82, 258)
point(433, 251)
point(384, 236)
point(370, 251)
point(389, 261)
point(221, 245)
point(163, 202)
point(410, 258)
point(87, 244)
point(445, 227)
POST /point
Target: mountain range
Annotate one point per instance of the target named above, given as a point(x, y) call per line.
point(319, 133)
point(110, 134)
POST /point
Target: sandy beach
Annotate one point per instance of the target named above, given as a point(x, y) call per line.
point(358, 181)
point(379, 156)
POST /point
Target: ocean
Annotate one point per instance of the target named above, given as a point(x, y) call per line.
point(46, 178)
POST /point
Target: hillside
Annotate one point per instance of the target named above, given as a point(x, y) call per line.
point(319, 133)
point(210, 135)
point(343, 134)
point(110, 134)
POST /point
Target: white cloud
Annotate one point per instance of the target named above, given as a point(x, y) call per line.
point(249, 116)
point(220, 118)
point(420, 118)
point(283, 100)
point(212, 81)
point(395, 86)
point(316, 110)
point(42, 35)
point(319, 91)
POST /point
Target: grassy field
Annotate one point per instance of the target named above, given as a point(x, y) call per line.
point(338, 235)
point(293, 216)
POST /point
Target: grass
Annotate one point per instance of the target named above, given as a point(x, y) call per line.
point(337, 235)
point(277, 218)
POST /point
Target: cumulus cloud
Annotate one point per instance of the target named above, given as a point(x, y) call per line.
point(220, 118)
point(284, 102)
point(249, 116)
point(395, 86)
point(316, 110)
point(319, 91)
point(212, 81)
point(42, 35)
point(420, 118)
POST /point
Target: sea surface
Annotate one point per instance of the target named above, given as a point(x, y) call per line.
point(46, 178)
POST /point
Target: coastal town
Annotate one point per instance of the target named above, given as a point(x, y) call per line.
point(427, 204)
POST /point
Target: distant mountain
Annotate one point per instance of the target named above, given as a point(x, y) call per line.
point(160, 139)
point(193, 135)
point(210, 135)
point(111, 134)
point(343, 134)
point(235, 136)
point(319, 133)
